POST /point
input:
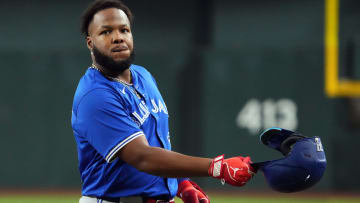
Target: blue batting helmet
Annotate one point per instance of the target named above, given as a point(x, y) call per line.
point(303, 165)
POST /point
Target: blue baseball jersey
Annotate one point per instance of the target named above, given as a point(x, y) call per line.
point(106, 116)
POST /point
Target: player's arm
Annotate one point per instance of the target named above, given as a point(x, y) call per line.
point(162, 162)
point(158, 161)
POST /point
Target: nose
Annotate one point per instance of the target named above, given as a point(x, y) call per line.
point(117, 37)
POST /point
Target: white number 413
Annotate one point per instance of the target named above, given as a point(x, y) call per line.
point(256, 116)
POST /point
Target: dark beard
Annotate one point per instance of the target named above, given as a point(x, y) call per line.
point(110, 67)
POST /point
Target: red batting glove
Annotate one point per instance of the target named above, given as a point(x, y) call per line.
point(190, 192)
point(235, 171)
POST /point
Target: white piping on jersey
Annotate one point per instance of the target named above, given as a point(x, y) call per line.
point(109, 158)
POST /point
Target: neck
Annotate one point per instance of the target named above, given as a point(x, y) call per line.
point(124, 76)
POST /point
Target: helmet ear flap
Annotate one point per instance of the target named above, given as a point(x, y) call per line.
point(280, 139)
point(286, 145)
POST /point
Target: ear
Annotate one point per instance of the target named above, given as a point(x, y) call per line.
point(89, 43)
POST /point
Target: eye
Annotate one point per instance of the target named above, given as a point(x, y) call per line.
point(125, 30)
point(105, 32)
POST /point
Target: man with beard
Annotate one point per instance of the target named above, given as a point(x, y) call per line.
point(120, 124)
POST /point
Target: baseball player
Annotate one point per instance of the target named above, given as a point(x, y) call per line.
point(120, 124)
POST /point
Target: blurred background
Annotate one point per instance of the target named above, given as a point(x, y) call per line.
point(226, 69)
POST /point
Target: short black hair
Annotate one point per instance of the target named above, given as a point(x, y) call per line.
point(99, 5)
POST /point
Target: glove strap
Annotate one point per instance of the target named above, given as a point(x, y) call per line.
point(216, 166)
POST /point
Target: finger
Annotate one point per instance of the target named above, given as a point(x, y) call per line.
point(204, 200)
point(202, 197)
point(251, 170)
point(190, 196)
point(247, 160)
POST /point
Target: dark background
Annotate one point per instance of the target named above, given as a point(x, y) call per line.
point(211, 59)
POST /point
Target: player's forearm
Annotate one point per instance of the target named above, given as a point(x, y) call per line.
point(161, 162)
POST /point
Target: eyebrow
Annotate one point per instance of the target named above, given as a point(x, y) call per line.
point(110, 27)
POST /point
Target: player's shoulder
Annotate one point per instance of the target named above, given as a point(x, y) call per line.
point(92, 83)
point(93, 79)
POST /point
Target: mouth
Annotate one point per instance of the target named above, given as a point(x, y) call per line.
point(119, 49)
